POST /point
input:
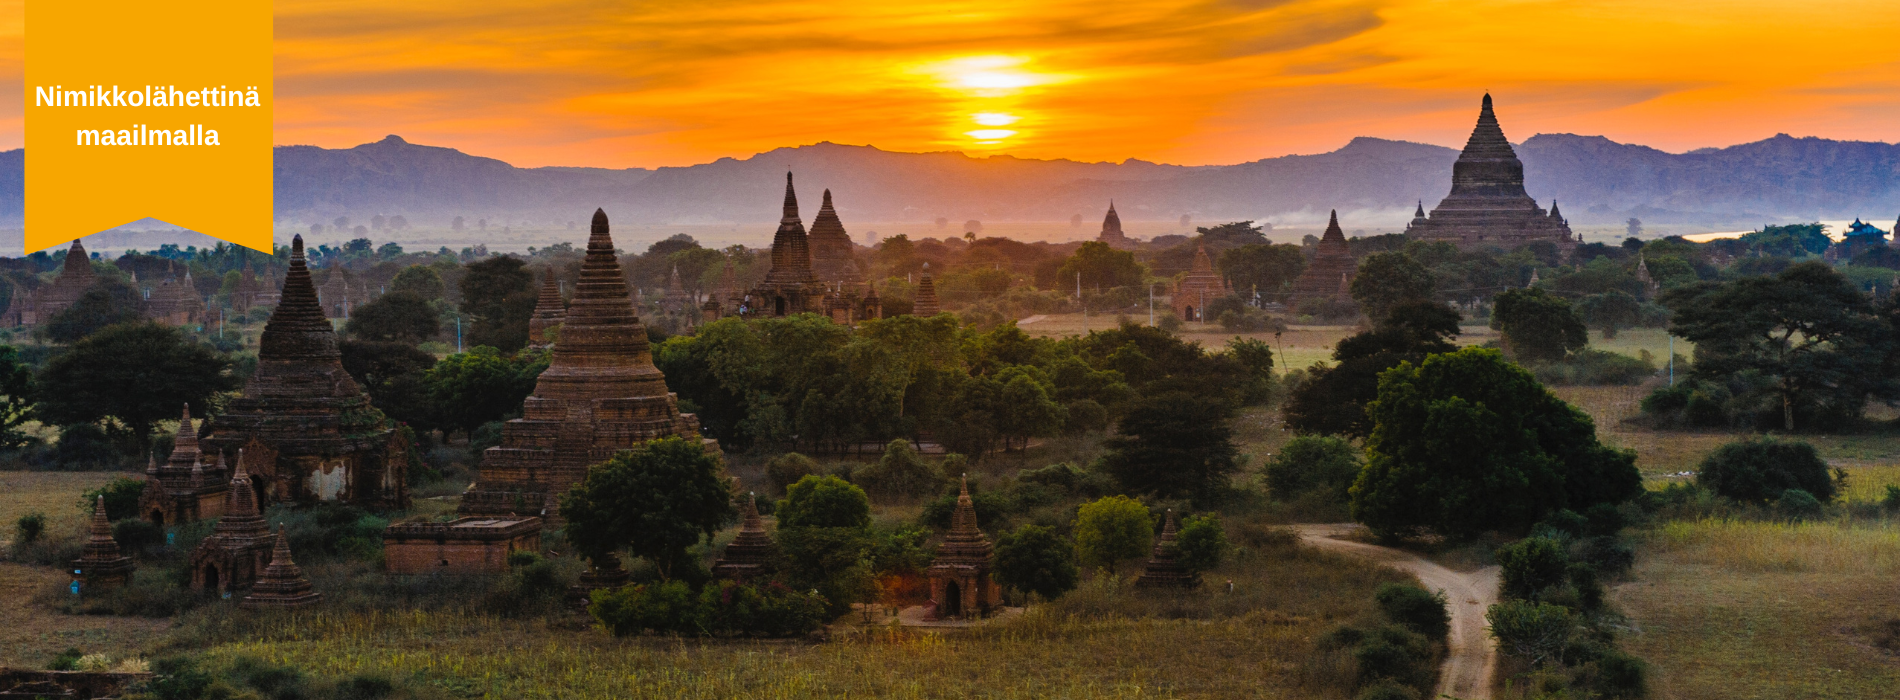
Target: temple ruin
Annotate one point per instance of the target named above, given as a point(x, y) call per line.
point(600, 394)
point(283, 584)
point(1200, 285)
point(303, 426)
point(32, 307)
point(549, 312)
point(749, 556)
point(1329, 274)
point(1112, 230)
point(1488, 205)
point(790, 287)
point(101, 565)
point(185, 488)
point(471, 545)
point(925, 303)
point(960, 583)
point(1165, 569)
point(240, 544)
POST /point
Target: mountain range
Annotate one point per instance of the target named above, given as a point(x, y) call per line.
point(1371, 180)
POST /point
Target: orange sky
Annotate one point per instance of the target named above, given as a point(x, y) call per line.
point(621, 84)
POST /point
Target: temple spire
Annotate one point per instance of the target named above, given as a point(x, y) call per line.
point(791, 201)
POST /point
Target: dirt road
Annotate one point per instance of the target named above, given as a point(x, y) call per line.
point(1474, 656)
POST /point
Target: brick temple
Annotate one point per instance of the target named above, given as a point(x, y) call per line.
point(600, 394)
point(305, 429)
point(1112, 231)
point(1329, 274)
point(185, 488)
point(33, 307)
point(472, 545)
point(960, 582)
point(1164, 569)
point(1200, 286)
point(791, 286)
point(1488, 205)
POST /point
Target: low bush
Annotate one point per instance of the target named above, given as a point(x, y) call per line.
point(1590, 367)
point(1760, 470)
point(1201, 543)
point(1796, 504)
point(722, 608)
point(1309, 463)
point(1415, 609)
point(29, 528)
point(122, 498)
point(786, 469)
point(1035, 559)
point(1536, 633)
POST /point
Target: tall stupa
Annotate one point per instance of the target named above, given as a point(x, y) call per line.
point(600, 394)
point(1488, 205)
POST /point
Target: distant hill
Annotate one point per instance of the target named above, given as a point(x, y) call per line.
point(1597, 181)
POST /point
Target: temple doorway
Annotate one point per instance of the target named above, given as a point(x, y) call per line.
point(1190, 314)
point(158, 518)
point(211, 578)
point(778, 306)
point(952, 603)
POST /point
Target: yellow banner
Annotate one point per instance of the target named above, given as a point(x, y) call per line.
point(148, 109)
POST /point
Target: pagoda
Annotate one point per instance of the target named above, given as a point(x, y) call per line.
point(960, 583)
point(1488, 205)
point(1331, 270)
point(176, 303)
point(283, 584)
point(925, 304)
point(35, 306)
point(790, 287)
point(239, 547)
point(549, 312)
point(1164, 568)
point(1201, 285)
point(750, 555)
point(831, 247)
point(303, 426)
point(599, 395)
point(1112, 230)
point(101, 565)
point(184, 489)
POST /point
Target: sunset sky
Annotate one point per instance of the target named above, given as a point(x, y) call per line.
point(623, 84)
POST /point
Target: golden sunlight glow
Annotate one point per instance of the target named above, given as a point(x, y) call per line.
point(990, 134)
point(558, 82)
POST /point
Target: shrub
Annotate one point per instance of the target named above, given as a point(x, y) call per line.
point(1416, 609)
point(1310, 463)
point(1035, 559)
point(667, 608)
point(1085, 415)
point(1797, 504)
point(31, 526)
point(1531, 565)
point(786, 469)
point(1201, 543)
point(122, 498)
point(83, 446)
point(1534, 632)
point(1394, 653)
point(772, 610)
point(1110, 530)
point(1621, 675)
point(1892, 501)
point(1388, 689)
point(1759, 470)
point(1063, 476)
point(137, 535)
point(900, 473)
point(824, 501)
point(1589, 367)
point(67, 660)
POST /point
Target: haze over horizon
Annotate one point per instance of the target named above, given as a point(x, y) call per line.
point(1190, 82)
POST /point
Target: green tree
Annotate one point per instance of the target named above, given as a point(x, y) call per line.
point(1025, 409)
point(1111, 530)
point(395, 377)
point(1531, 565)
point(420, 280)
point(1536, 326)
point(1467, 442)
point(500, 294)
point(1333, 400)
point(901, 473)
point(1034, 559)
point(1415, 608)
point(134, 374)
point(1610, 311)
point(1101, 267)
point(1793, 240)
point(107, 302)
point(398, 317)
point(824, 501)
point(1312, 463)
point(1538, 633)
point(1266, 268)
point(478, 386)
point(1386, 280)
point(1201, 542)
point(656, 500)
point(1808, 329)
point(1173, 445)
point(16, 399)
point(1758, 470)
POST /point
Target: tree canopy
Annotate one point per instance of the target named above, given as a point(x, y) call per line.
point(399, 317)
point(655, 500)
point(500, 294)
point(1263, 267)
point(1537, 326)
point(1174, 445)
point(134, 374)
point(481, 385)
point(1386, 280)
point(1112, 529)
point(107, 302)
point(1101, 267)
point(1332, 400)
point(1467, 442)
point(1808, 329)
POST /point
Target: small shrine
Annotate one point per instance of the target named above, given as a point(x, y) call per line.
point(102, 565)
point(283, 584)
point(960, 583)
point(750, 555)
point(185, 488)
point(549, 312)
point(1200, 286)
point(1164, 568)
point(925, 305)
point(239, 548)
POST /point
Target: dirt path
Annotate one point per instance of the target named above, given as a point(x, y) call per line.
point(1031, 319)
point(1474, 657)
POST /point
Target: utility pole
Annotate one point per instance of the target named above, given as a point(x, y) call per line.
point(1672, 360)
point(1151, 305)
point(458, 333)
point(1085, 306)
